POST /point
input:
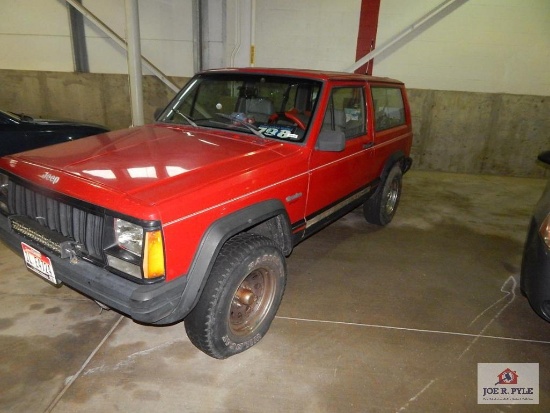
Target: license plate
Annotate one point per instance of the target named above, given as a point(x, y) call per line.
point(39, 263)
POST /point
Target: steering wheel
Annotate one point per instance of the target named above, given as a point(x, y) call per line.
point(289, 116)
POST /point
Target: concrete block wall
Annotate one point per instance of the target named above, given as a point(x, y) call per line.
point(464, 132)
point(480, 133)
point(91, 97)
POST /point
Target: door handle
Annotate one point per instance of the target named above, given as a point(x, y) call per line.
point(368, 145)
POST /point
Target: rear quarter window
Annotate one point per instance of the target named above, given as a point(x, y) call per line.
point(389, 109)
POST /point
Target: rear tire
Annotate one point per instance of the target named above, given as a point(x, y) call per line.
point(240, 298)
point(381, 207)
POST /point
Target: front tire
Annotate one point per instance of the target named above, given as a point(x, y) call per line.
point(381, 207)
point(240, 298)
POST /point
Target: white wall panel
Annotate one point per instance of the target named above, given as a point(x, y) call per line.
point(166, 28)
point(498, 46)
point(34, 35)
point(105, 56)
point(45, 53)
point(173, 57)
point(318, 34)
point(237, 43)
point(37, 17)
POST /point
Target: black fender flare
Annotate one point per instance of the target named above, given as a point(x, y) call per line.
point(211, 243)
point(399, 157)
point(404, 161)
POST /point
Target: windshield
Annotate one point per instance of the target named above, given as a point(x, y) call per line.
point(270, 106)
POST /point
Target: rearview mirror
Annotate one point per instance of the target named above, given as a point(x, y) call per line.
point(331, 141)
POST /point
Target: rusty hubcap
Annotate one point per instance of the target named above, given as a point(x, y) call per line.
point(251, 302)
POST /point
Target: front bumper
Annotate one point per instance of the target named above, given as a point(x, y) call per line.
point(535, 272)
point(151, 304)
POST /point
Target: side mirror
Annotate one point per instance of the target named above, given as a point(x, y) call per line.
point(331, 141)
point(544, 157)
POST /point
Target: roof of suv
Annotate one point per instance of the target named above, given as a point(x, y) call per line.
point(309, 73)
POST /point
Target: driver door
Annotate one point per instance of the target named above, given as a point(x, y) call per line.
point(337, 179)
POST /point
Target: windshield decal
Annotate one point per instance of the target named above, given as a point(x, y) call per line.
point(278, 131)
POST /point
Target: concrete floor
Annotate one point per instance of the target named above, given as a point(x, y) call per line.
point(373, 320)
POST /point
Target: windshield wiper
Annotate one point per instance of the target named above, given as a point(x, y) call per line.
point(187, 118)
point(23, 117)
point(252, 128)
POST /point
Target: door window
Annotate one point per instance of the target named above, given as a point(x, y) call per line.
point(346, 111)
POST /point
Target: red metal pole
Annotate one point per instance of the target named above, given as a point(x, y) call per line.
point(366, 36)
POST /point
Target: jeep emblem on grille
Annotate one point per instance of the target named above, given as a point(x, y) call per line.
point(49, 177)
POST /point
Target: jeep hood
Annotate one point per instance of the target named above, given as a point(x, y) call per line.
point(148, 164)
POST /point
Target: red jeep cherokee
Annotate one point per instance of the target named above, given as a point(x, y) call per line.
point(192, 217)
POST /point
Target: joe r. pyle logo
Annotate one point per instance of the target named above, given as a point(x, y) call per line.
point(507, 377)
point(516, 383)
point(49, 177)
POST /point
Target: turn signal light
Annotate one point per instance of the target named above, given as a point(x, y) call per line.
point(153, 264)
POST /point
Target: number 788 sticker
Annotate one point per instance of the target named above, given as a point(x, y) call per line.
point(278, 132)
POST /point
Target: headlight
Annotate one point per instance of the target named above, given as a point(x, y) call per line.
point(544, 231)
point(136, 251)
point(129, 236)
point(4, 182)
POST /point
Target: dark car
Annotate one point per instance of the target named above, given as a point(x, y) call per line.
point(20, 133)
point(535, 268)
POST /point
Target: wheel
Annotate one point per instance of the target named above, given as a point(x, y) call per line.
point(380, 208)
point(240, 298)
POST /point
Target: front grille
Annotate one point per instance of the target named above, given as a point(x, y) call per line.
point(75, 224)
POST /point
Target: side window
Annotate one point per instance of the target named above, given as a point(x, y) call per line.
point(389, 110)
point(346, 111)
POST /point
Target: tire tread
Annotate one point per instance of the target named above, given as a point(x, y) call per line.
point(233, 252)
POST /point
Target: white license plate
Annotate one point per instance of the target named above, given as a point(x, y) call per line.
point(39, 263)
